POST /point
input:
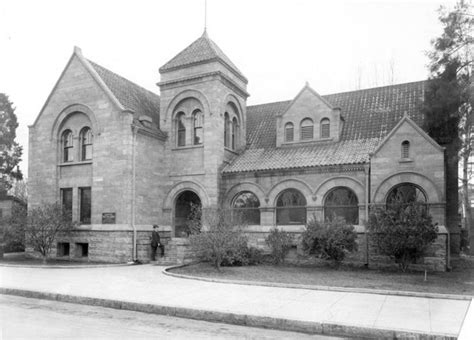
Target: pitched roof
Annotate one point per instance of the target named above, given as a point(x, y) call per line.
point(315, 155)
point(130, 95)
point(369, 115)
point(373, 113)
point(201, 50)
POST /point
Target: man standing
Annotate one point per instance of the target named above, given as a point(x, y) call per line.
point(155, 243)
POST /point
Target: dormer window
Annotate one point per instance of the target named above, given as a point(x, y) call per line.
point(306, 129)
point(198, 122)
point(325, 128)
point(406, 149)
point(181, 129)
point(289, 132)
point(67, 146)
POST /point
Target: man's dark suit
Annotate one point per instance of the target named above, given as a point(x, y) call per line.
point(155, 243)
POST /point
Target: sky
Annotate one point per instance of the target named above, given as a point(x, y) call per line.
point(279, 45)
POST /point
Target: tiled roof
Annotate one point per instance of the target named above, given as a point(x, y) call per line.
point(374, 112)
point(130, 95)
point(369, 115)
point(201, 50)
point(315, 155)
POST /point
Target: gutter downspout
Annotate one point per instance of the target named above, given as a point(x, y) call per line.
point(367, 200)
point(133, 210)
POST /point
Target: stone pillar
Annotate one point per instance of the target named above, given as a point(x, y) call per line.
point(267, 216)
point(314, 212)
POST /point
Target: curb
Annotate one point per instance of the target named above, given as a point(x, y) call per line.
point(232, 318)
point(167, 271)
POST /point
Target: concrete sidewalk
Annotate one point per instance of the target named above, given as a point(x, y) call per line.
point(145, 288)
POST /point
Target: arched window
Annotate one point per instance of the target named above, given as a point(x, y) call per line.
point(405, 194)
point(306, 129)
point(67, 146)
point(234, 133)
point(406, 149)
point(289, 132)
point(86, 144)
point(291, 207)
point(246, 207)
point(342, 202)
point(181, 129)
point(325, 128)
point(198, 122)
point(226, 129)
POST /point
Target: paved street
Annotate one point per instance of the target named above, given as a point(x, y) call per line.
point(23, 318)
point(146, 288)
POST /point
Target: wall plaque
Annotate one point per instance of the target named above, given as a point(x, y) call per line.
point(108, 218)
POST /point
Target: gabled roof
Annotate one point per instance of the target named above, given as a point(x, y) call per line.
point(372, 113)
point(409, 121)
point(369, 116)
point(313, 92)
point(130, 95)
point(124, 94)
point(200, 51)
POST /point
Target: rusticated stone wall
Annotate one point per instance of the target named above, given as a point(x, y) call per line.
point(108, 246)
point(436, 259)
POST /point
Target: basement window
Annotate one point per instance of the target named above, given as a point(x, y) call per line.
point(62, 249)
point(82, 249)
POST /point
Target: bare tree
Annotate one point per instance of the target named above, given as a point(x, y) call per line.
point(359, 74)
point(44, 224)
point(391, 71)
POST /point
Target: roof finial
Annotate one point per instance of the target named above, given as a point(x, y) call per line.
point(205, 16)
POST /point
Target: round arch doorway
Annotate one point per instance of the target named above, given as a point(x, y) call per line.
point(187, 208)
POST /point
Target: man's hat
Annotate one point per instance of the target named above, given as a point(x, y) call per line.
point(156, 226)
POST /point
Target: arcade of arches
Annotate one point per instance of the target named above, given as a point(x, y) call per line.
point(291, 207)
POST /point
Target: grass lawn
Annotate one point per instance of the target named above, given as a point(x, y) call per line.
point(459, 281)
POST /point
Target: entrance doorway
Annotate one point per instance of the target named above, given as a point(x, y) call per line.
point(187, 211)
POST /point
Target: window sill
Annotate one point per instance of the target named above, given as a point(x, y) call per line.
point(230, 150)
point(405, 160)
point(75, 163)
point(186, 147)
point(291, 225)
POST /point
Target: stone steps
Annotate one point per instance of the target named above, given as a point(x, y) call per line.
point(177, 251)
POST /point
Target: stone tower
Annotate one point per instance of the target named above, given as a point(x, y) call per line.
point(203, 110)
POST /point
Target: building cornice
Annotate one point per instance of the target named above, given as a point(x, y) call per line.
point(201, 62)
point(202, 77)
point(297, 171)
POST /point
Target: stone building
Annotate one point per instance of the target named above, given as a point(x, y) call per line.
point(121, 158)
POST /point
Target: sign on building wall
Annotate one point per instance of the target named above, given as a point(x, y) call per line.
point(108, 218)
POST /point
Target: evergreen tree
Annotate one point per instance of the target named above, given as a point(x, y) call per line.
point(10, 150)
point(448, 97)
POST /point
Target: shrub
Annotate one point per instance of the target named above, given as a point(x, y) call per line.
point(253, 256)
point(244, 256)
point(194, 223)
point(329, 240)
point(221, 241)
point(280, 244)
point(403, 233)
point(237, 254)
point(13, 229)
